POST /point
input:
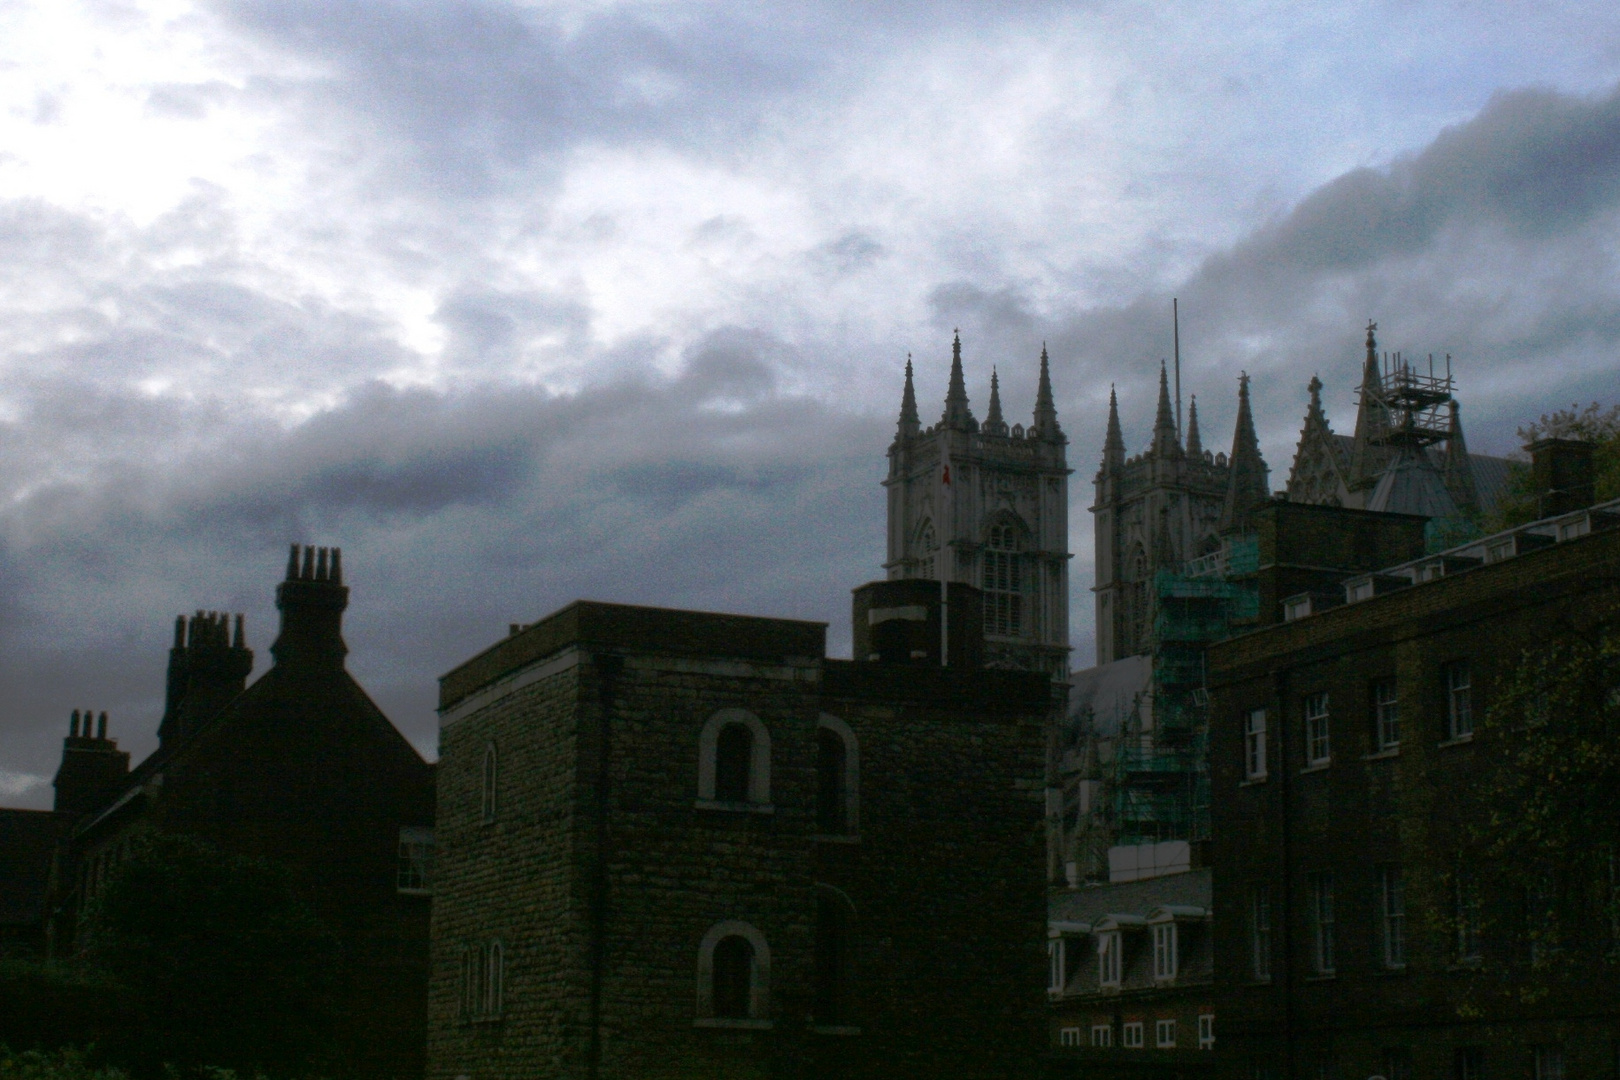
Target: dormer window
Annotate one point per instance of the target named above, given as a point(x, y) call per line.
point(1164, 951)
point(1110, 951)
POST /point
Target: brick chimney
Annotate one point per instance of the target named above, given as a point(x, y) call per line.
point(207, 669)
point(1562, 472)
point(311, 601)
point(93, 768)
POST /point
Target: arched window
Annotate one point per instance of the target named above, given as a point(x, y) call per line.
point(926, 546)
point(1003, 583)
point(483, 975)
point(491, 772)
point(733, 754)
point(833, 958)
point(1138, 598)
point(734, 762)
point(734, 966)
point(733, 978)
point(838, 772)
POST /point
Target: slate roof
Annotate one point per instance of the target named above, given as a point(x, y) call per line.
point(1092, 903)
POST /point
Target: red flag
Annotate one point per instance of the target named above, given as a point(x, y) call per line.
point(947, 472)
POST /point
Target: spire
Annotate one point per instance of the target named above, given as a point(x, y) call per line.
point(957, 413)
point(1165, 443)
point(1458, 469)
point(909, 424)
point(1114, 444)
point(1046, 421)
point(993, 422)
point(1195, 446)
point(1247, 482)
point(1368, 454)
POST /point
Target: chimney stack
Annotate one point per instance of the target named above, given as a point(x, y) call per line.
point(1562, 472)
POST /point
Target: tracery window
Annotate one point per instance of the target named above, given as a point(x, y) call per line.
point(1003, 583)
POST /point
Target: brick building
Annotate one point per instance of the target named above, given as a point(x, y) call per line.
point(1130, 974)
point(684, 844)
point(1349, 936)
point(300, 768)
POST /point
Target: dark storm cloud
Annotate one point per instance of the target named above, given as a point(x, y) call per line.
point(458, 512)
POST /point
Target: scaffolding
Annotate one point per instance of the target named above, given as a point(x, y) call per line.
point(1161, 771)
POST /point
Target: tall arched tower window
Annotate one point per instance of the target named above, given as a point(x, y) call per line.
point(1003, 583)
point(490, 777)
point(927, 566)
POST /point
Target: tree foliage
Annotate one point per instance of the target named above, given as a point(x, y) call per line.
point(223, 962)
point(1520, 503)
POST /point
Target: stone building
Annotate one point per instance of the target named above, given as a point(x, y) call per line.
point(680, 844)
point(1353, 935)
point(988, 505)
point(300, 768)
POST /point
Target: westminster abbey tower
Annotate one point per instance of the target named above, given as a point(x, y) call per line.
point(987, 504)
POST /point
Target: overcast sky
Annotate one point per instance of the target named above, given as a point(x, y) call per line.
point(522, 303)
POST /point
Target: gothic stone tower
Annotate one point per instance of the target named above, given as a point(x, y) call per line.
point(1161, 509)
point(988, 505)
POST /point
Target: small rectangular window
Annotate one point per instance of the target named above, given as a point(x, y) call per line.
point(1055, 948)
point(1468, 1063)
point(1132, 1035)
point(1466, 915)
point(1260, 933)
point(1206, 1031)
point(1386, 716)
point(1069, 1036)
point(1322, 922)
point(1318, 750)
point(1459, 700)
point(1392, 912)
point(414, 873)
point(1254, 745)
point(1102, 1035)
point(1549, 1062)
point(1164, 1034)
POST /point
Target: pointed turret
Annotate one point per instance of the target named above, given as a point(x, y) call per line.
point(1114, 444)
point(1458, 470)
point(993, 422)
point(909, 423)
point(1368, 454)
point(1247, 483)
point(1046, 421)
point(1195, 446)
point(1165, 443)
point(957, 414)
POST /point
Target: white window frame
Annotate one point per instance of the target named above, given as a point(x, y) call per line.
point(1110, 947)
point(1459, 700)
point(1260, 932)
point(490, 779)
point(1165, 948)
point(1318, 735)
point(1254, 745)
point(413, 872)
point(759, 763)
point(1133, 1035)
point(1164, 1034)
point(1055, 949)
point(759, 983)
point(1392, 916)
point(1069, 1036)
point(1549, 1061)
point(1206, 1031)
point(1102, 1034)
point(1386, 716)
point(1323, 923)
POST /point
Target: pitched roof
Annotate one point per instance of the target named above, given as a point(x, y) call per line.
point(1092, 903)
point(1490, 478)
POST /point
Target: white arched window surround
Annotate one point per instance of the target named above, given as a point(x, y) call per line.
point(759, 997)
point(490, 782)
point(759, 766)
point(851, 780)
